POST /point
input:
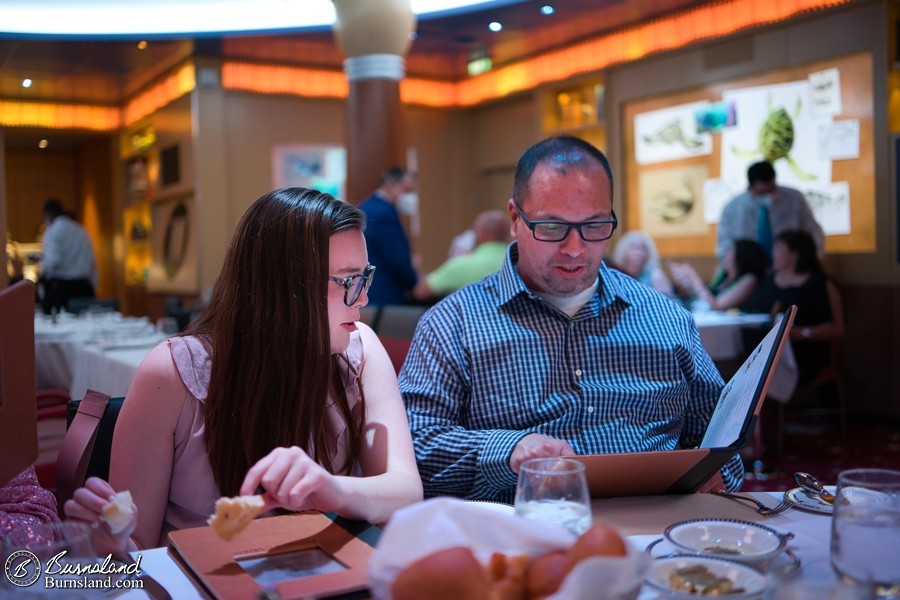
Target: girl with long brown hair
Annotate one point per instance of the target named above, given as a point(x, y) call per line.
point(276, 386)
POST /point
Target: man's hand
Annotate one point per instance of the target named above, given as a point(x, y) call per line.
point(535, 445)
point(715, 483)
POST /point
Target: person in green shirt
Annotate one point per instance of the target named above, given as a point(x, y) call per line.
point(491, 230)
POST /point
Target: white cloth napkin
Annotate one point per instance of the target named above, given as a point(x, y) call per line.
point(432, 525)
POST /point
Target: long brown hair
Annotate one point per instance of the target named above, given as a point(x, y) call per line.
point(266, 329)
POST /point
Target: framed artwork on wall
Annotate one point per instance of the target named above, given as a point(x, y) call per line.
point(317, 166)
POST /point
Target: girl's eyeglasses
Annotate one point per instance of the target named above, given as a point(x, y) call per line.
point(354, 285)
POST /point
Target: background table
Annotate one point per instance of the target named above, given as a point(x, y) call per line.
point(720, 331)
point(101, 351)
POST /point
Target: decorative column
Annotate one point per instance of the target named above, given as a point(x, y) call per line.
point(375, 36)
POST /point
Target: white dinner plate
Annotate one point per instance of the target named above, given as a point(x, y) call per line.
point(804, 501)
point(751, 580)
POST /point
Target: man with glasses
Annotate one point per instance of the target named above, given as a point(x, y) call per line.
point(555, 354)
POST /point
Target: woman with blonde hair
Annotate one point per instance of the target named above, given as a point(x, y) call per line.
point(276, 386)
point(636, 255)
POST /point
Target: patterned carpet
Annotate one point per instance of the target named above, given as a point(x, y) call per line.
point(819, 448)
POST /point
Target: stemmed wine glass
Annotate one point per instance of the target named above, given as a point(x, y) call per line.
point(554, 490)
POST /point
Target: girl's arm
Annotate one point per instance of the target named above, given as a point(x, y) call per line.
point(390, 479)
point(144, 441)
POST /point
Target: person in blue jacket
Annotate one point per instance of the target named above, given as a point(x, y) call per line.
point(386, 239)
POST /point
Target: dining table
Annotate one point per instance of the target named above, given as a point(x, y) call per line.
point(99, 349)
point(641, 520)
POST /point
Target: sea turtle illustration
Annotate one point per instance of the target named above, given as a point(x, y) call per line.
point(672, 133)
point(776, 138)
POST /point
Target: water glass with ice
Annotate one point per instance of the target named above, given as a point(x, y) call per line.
point(554, 490)
point(865, 530)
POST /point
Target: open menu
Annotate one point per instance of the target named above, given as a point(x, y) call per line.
point(730, 428)
point(304, 555)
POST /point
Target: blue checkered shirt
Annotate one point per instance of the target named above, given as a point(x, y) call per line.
point(494, 362)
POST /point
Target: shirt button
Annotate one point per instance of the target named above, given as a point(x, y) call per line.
point(578, 372)
point(590, 409)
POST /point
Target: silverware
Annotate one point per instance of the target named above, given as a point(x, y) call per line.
point(761, 508)
point(812, 486)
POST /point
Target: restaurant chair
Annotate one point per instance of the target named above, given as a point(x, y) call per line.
point(398, 320)
point(369, 315)
point(397, 349)
point(79, 305)
point(805, 411)
point(86, 447)
point(51, 428)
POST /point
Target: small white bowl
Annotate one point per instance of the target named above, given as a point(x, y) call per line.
point(730, 539)
point(751, 580)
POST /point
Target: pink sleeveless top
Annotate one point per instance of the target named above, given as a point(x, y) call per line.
point(193, 491)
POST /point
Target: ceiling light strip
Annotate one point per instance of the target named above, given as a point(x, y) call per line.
point(14, 113)
point(668, 33)
point(170, 88)
point(694, 25)
point(297, 81)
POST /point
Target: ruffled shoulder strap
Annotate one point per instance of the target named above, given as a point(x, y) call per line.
point(193, 364)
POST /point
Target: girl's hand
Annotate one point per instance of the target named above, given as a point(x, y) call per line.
point(294, 481)
point(86, 506)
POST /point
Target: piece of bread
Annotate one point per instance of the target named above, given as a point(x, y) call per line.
point(234, 514)
point(599, 540)
point(546, 573)
point(449, 574)
point(119, 512)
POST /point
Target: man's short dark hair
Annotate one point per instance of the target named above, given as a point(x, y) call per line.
point(395, 174)
point(760, 172)
point(53, 208)
point(564, 150)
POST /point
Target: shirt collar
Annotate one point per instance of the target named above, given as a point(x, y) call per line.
point(511, 285)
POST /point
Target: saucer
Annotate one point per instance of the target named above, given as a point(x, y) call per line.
point(780, 564)
point(730, 539)
point(804, 501)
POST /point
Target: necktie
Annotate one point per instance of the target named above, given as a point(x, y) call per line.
point(764, 232)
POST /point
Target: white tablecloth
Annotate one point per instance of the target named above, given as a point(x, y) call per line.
point(720, 332)
point(101, 351)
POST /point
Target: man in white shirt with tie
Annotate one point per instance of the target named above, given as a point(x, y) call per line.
point(744, 217)
point(68, 269)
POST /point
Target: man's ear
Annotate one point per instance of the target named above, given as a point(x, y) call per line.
point(513, 217)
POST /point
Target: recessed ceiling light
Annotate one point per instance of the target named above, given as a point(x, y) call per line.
point(43, 143)
point(495, 26)
point(547, 9)
point(26, 83)
point(142, 45)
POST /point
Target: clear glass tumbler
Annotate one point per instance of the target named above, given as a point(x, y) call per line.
point(865, 530)
point(554, 490)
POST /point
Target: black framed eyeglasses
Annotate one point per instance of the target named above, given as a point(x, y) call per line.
point(354, 285)
point(557, 231)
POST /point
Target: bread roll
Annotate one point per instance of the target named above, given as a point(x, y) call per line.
point(546, 573)
point(599, 540)
point(507, 576)
point(448, 574)
point(234, 514)
point(118, 513)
